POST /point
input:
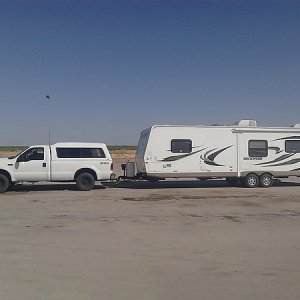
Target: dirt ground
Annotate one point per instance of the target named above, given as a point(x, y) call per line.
point(7, 153)
point(150, 241)
point(123, 156)
point(139, 240)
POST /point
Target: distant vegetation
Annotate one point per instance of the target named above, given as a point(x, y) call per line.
point(121, 147)
point(12, 148)
point(20, 148)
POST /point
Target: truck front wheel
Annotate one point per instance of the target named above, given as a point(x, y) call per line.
point(4, 183)
point(85, 181)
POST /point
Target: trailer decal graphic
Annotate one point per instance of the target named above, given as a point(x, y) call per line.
point(290, 162)
point(294, 137)
point(277, 149)
point(177, 157)
point(209, 159)
point(278, 159)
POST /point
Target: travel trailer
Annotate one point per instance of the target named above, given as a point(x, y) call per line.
point(243, 152)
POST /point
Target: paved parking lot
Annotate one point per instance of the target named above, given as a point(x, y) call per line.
point(168, 240)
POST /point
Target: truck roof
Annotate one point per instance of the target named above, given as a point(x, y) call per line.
point(232, 127)
point(78, 144)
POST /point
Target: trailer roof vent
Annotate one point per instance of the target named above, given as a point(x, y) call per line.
point(296, 125)
point(246, 123)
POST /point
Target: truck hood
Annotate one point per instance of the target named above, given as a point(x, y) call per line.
point(5, 161)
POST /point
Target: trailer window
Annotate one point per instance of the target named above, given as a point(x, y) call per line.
point(80, 153)
point(181, 146)
point(292, 146)
point(258, 148)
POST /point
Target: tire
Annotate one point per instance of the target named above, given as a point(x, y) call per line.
point(251, 180)
point(266, 180)
point(4, 183)
point(85, 181)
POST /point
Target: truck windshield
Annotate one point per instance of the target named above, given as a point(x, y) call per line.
point(14, 156)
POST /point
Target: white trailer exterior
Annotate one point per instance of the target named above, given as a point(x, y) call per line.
point(255, 154)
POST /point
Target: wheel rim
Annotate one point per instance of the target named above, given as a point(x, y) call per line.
point(266, 180)
point(252, 181)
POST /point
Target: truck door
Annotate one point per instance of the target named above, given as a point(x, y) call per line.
point(33, 165)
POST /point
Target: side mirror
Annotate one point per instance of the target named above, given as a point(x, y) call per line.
point(20, 158)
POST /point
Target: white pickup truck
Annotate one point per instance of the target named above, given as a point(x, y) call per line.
point(83, 163)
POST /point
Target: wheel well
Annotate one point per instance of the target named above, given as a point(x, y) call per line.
point(268, 173)
point(6, 174)
point(251, 173)
point(90, 171)
point(258, 174)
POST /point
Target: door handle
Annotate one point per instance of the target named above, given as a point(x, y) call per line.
point(44, 165)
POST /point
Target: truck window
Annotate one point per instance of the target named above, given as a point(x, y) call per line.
point(292, 146)
point(258, 148)
point(32, 154)
point(80, 153)
point(181, 146)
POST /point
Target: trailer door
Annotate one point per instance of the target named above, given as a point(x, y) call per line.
point(219, 154)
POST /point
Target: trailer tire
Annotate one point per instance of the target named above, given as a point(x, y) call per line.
point(251, 180)
point(85, 181)
point(266, 180)
point(4, 183)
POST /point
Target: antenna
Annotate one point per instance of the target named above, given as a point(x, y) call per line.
point(49, 119)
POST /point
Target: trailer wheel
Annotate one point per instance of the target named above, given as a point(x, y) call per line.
point(266, 180)
point(4, 183)
point(85, 181)
point(251, 180)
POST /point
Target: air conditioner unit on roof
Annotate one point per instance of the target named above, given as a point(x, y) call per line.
point(246, 123)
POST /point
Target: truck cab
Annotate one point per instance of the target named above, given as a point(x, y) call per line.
point(83, 163)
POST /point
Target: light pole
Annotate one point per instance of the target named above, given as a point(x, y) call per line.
point(49, 119)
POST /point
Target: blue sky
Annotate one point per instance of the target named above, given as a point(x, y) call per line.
point(113, 68)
